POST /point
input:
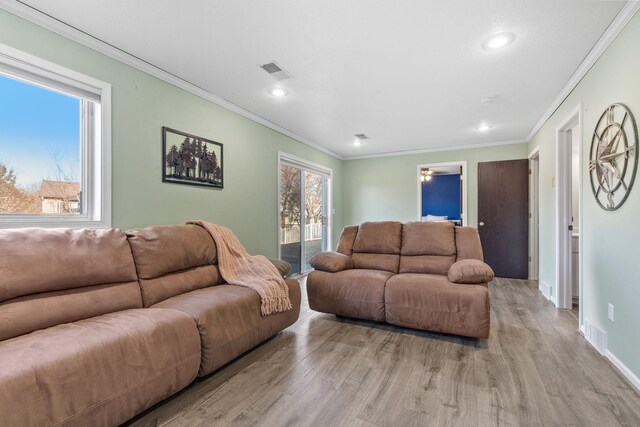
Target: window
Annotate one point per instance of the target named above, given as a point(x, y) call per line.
point(303, 213)
point(55, 145)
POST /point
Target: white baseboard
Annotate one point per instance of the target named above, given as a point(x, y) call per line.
point(621, 367)
point(626, 372)
point(545, 289)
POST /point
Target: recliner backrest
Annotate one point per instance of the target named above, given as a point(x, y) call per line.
point(413, 247)
point(54, 276)
point(377, 246)
point(172, 260)
point(428, 247)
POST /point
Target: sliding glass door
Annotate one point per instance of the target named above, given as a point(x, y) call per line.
point(304, 225)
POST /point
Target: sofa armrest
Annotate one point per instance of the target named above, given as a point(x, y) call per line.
point(331, 262)
point(283, 267)
point(470, 271)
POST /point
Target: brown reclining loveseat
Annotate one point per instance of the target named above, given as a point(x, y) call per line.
point(423, 275)
point(98, 325)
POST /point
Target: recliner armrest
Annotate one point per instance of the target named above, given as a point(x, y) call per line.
point(470, 271)
point(331, 262)
point(282, 266)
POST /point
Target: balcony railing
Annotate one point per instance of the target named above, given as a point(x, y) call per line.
point(291, 234)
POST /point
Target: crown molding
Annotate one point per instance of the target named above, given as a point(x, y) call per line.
point(437, 149)
point(50, 23)
point(624, 16)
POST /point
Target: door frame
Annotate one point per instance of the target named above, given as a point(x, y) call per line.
point(534, 214)
point(564, 297)
point(305, 165)
point(463, 178)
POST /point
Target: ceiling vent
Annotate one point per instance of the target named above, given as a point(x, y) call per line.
point(361, 136)
point(276, 71)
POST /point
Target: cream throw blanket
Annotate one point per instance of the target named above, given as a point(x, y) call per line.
point(255, 272)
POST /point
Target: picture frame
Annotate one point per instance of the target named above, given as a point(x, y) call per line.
point(191, 160)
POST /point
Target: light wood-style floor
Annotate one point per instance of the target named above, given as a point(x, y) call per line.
point(535, 370)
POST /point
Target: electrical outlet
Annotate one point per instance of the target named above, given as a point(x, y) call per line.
point(610, 313)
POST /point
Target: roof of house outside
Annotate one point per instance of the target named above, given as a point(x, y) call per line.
point(60, 190)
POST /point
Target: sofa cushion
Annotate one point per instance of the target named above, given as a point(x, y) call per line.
point(173, 259)
point(35, 260)
point(378, 237)
point(470, 271)
point(230, 321)
point(29, 313)
point(428, 238)
point(385, 262)
point(427, 247)
point(172, 284)
point(100, 371)
point(468, 243)
point(353, 293)
point(164, 249)
point(331, 261)
point(426, 264)
point(431, 302)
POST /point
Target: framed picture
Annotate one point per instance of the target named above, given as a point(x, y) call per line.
point(190, 159)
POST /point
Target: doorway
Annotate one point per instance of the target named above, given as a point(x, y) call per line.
point(503, 216)
point(569, 211)
point(534, 215)
point(442, 192)
point(303, 211)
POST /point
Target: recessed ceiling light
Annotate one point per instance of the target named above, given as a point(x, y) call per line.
point(484, 127)
point(360, 137)
point(498, 40)
point(278, 92)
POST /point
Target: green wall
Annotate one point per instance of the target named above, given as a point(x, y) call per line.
point(609, 239)
point(142, 104)
point(385, 188)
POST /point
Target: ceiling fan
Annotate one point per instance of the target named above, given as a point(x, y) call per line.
point(426, 174)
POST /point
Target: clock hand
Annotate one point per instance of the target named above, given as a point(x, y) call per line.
point(613, 169)
point(610, 146)
point(606, 144)
point(624, 120)
point(614, 155)
point(604, 176)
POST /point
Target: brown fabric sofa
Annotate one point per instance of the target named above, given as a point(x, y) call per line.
point(228, 317)
point(98, 325)
point(420, 275)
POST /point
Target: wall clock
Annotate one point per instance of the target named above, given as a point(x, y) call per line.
point(614, 157)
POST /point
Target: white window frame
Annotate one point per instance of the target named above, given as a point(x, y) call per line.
point(305, 165)
point(95, 151)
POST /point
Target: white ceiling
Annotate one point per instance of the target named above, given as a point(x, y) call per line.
point(409, 74)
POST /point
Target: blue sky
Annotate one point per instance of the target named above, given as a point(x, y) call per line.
point(38, 126)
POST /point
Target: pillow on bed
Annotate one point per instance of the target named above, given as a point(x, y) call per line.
point(435, 218)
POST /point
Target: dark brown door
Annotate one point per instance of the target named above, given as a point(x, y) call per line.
point(503, 216)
